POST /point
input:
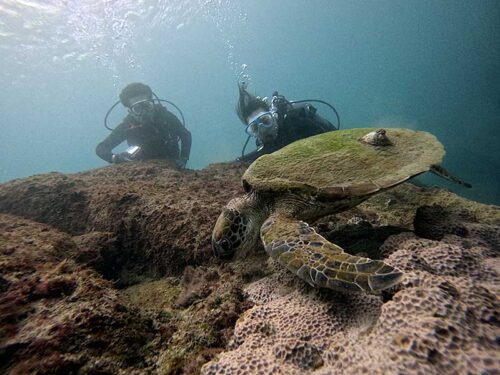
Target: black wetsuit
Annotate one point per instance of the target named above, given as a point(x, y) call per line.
point(300, 121)
point(157, 140)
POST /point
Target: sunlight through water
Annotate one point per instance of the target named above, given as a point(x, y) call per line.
point(63, 33)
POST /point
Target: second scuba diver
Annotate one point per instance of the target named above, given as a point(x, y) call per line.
point(150, 129)
point(278, 122)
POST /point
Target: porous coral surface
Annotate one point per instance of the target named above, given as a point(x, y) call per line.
point(442, 319)
point(110, 271)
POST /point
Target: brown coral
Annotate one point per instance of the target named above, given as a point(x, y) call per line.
point(435, 222)
point(443, 318)
point(55, 316)
point(150, 220)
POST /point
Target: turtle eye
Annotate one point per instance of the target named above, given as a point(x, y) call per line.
point(223, 248)
point(225, 245)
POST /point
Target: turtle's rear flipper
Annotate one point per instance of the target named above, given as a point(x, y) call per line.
point(441, 172)
point(310, 256)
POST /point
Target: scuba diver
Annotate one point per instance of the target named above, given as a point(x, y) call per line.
point(278, 122)
point(151, 131)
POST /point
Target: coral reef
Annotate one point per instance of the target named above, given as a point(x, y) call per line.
point(110, 271)
point(59, 317)
point(435, 222)
point(442, 319)
point(161, 218)
point(124, 223)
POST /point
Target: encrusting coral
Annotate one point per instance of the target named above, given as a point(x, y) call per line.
point(442, 319)
point(56, 316)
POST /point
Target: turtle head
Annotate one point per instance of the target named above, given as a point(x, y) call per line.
point(236, 229)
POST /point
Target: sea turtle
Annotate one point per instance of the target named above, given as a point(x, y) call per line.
point(318, 176)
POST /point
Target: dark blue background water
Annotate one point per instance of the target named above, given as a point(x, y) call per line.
point(429, 65)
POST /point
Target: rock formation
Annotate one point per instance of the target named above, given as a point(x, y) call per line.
point(111, 271)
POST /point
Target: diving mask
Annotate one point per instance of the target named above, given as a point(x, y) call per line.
point(142, 107)
point(260, 124)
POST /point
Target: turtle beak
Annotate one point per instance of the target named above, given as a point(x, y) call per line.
point(221, 245)
point(215, 248)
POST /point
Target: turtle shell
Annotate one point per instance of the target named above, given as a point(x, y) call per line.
point(340, 164)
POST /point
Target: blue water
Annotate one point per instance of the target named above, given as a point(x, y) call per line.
point(429, 65)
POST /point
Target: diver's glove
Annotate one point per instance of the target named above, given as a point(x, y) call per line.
point(181, 163)
point(119, 158)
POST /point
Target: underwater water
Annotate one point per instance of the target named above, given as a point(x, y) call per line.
point(428, 65)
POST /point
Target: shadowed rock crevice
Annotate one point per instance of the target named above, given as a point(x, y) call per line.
point(362, 239)
point(133, 221)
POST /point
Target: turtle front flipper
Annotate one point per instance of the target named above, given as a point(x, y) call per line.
point(297, 246)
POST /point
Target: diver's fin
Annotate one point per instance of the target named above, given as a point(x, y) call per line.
point(441, 172)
